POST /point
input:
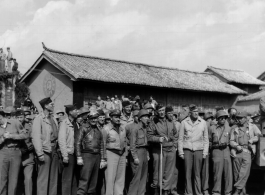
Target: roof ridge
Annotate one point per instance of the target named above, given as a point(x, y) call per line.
point(226, 69)
point(122, 61)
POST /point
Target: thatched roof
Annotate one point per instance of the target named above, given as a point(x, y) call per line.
point(235, 76)
point(253, 97)
point(115, 71)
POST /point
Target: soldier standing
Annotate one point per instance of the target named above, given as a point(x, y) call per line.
point(66, 143)
point(115, 140)
point(193, 145)
point(90, 154)
point(44, 139)
point(163, 131)
point(11, 133)
point(139, 155)
point(27, 151)
point(243, 138)
point(101, 184)
point(222, 166)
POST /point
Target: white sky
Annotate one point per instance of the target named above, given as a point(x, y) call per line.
point(186, 34)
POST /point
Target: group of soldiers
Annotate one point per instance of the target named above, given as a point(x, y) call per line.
point(128, 151)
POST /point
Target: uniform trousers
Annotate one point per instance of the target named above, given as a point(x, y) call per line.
point(10, 162)
point(28, 166)
point(88, 174)
point(176, 174)
point(115, 173)
point(193, 164)
point(222, 166)
point(138, 183)
point(242, 166)
point(101, 185)
point(47, 180)
point(67, 175)
point(205, 175)
point(168, 167)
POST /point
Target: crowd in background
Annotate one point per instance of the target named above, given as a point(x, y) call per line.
point(126, 146)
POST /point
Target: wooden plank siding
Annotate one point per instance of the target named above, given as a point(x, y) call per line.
point(176, 98)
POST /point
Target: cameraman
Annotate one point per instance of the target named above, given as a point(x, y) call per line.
point(232, 117)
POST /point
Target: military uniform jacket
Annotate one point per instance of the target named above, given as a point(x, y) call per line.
point(27, 146)
point(90, 140)
point(138, 138)
point(249, 135)
point(17, 133)
point(43, 134)
point(163, 128)
point(114, 139)
point(219, 135)
point(193, 136)
point(66, 137)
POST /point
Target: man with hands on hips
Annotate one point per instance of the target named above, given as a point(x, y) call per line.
point(193, 146)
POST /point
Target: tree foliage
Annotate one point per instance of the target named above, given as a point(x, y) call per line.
point(21, 94)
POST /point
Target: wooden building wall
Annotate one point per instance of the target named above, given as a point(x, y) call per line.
point(90, 90)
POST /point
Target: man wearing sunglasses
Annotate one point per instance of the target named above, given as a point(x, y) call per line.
point(220, 137)
point(243, 138)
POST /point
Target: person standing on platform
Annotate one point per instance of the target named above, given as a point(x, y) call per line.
point(9, 59)
point(44, 139)
point(193, 146)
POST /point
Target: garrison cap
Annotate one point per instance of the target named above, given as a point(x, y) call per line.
point(126, 103)
point(169, 109)
point(115, 112)
point(193, 108)
point(20, 113)
point(69, 108)
point(83, 110)
point(135, 112)
point(242, 114)
point(45, 101)
point(148, 106)
point(100, 112)
point(142, 113)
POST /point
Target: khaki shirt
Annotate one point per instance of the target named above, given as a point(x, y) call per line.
point(66, 137)
point(17, 133)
